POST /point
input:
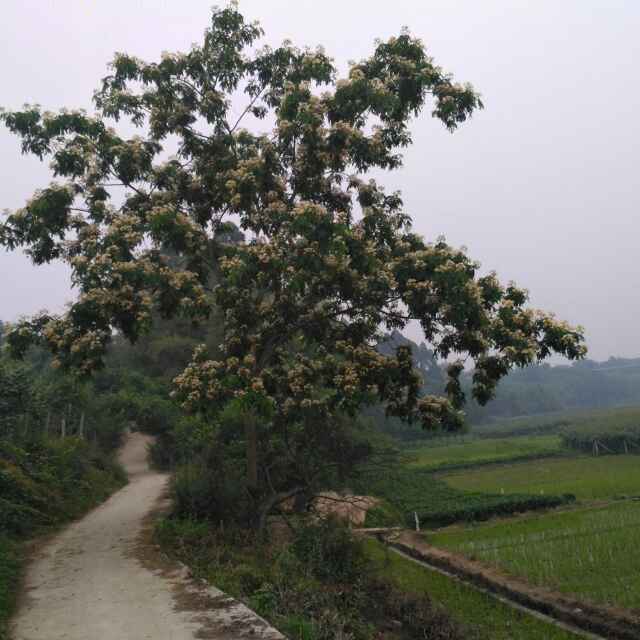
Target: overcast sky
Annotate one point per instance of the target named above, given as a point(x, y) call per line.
point(541, 186)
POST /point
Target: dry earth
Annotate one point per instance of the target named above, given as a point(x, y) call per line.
point(103, 579)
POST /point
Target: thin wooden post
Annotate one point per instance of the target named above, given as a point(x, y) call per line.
point(81, 427)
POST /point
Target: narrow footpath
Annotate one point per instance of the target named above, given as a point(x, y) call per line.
point(103, 579)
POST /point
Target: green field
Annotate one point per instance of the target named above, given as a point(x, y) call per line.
point(557, 423)
point(478, 451)
point(408, 491)
point(586, 549)
point(491, 619)
point(589, 552)
point(586, 477)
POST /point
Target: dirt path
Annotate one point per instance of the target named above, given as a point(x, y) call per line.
point(102, 578)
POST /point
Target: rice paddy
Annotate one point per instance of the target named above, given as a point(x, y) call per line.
point(588, 552)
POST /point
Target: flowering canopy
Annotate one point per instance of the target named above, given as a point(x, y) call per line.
point(331, 261)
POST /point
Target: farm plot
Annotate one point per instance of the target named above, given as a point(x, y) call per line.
point(586, 477)
point(588, 552)
point(557, 423)
point(409, 491)
point(487, 618)
point(477, 451)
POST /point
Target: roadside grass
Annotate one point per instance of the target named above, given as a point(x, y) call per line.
point(10, 564)
point(479, 451)
point(317, 583)
point(492, 619)
point(589, 552)
point(588, 478)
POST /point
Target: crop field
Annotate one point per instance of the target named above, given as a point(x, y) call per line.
point(586, 549)
point(557, 423)
point(589, 552)
point(489, 618)
point(410, 490)
point(478, 451)
point(586, 477)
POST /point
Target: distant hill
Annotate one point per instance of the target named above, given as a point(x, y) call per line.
point(534, 390)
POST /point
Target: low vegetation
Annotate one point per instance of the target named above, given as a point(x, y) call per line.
point(616, 431)
point(489, 618)
point(413, 491)
point(586, 477)
point(318, 583)
point(588, 552)
point(558, 423)
point(471, 451)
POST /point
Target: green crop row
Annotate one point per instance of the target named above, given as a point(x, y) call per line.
point(477, 452)
point(601, 440)
point(588, 552)
point(409, 492)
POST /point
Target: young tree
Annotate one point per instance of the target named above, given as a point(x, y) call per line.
point(331, 260)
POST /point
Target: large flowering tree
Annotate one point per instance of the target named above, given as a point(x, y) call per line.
point(330, 259)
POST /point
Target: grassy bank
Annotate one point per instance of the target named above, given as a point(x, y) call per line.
point(43, 484)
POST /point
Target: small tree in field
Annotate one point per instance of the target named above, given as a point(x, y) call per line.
point(330, 261)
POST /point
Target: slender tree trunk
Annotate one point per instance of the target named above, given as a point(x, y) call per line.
point(252, 453)
point(272, 501)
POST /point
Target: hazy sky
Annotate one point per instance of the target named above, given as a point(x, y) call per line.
point(542, 186)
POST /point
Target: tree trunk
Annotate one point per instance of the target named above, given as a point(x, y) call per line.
point(272, 501)
point(252, 453)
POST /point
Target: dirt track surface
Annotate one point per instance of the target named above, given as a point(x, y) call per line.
point(103, 579)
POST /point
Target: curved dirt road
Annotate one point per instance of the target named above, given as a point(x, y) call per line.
point(102, 578)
